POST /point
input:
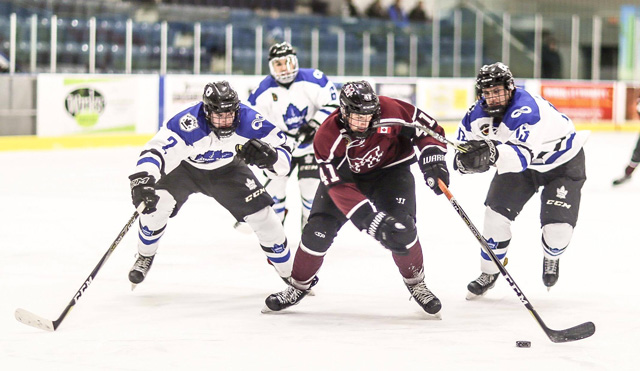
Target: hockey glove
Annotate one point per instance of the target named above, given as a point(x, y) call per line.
point(258, 153)
point(392, 234)
point(434, 167)
point(143, 189)
point(477, 156)
point(307, 132)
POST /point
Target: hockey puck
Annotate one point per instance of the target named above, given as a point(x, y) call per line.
point(523, 344)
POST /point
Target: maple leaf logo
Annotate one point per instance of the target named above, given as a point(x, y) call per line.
point(561, 192)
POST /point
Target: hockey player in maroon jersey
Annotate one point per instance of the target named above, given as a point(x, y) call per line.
point(366, 178)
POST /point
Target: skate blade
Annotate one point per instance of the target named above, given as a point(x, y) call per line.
point(133, 286)
point(437, 316)
point(472, 296)
point(311, 293)
point(548, 288)
point(266, 309)
point(242, 228)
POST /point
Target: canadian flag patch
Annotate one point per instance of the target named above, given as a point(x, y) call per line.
point(384, 130)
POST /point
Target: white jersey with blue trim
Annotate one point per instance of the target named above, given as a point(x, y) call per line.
point(532, 134)
point(310, 96)
point(188, 137)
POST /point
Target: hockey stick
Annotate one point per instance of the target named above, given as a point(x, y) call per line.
point(42, 323)
point(557, 336)
point(428, 130)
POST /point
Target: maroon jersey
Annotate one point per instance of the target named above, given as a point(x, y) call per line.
point(341, 157)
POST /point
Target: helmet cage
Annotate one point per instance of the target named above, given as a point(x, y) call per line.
point(283, 54)
point(491, 75)
point(219, 97)
point(359, 98)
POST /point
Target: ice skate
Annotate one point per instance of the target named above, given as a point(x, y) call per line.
point(140, 269)
point(481, 285)
point(550, 272)
point(284, 299)
point(425, 298)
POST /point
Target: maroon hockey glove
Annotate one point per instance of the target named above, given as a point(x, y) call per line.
point(143, 189)
point(476, 156)
point(258, 153)
point(392, 234)
point(434, 167)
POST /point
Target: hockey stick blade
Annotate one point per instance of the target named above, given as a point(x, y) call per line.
point(36, 321)
point(557, 336)
point(31, 319)
point(571, 334)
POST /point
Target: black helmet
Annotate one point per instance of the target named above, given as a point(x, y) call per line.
point(285, 51)
point(491, 75)
point(219, 97)
point(358, 97)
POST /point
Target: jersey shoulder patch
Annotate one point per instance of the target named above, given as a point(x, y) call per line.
point(267, 83)
point(190, 124)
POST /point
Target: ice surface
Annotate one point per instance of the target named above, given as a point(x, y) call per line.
point(199, 308)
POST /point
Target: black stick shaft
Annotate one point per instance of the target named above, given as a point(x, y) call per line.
point(95, 271)
point(575, 333)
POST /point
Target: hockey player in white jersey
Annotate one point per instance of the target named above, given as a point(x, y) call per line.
point(296, 100)
point(531, 145)
point(205, 149)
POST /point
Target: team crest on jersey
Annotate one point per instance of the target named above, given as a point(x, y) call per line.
point(294, 117)
point(188, 123)
point(274, 96)
point(368, 161)
point(251, 184)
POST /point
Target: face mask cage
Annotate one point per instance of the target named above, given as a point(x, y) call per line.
point(289, 73)
point(498, 109)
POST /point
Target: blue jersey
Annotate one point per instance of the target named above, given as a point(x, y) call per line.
point(188, 137)
point(532, 134)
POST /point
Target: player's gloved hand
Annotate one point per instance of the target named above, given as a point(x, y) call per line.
point(391, 233)
point(477, 156)
point(258, 153)
point(434, 167)
point(307, 132)
point(143, 189)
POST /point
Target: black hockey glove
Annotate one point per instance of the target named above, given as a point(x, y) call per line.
point(258, 153)
point(307, 132)
point(477, 157)
point(143, 189)
point(391, 233)
point(434, 167)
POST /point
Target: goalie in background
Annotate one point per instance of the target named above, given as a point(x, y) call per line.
point(635, 157)
point(531, 145)
point(296, 100)
point(205, 149)
point(366, 178)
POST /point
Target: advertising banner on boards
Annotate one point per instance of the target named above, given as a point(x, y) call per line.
point(581, 101)
point(92, 104)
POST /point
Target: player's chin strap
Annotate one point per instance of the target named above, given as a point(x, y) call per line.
point(416, 125)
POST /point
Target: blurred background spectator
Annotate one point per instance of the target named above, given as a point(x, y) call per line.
point(375, 10)
point(417, 14)
point(551, 60)
point(398, 15)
